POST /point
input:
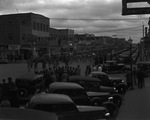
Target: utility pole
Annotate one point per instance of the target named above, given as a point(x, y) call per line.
point(142, 43)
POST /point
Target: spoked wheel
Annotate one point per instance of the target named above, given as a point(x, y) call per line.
point(23, 93)
point(117, 101)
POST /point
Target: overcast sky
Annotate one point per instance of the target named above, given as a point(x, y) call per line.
point(99, 17)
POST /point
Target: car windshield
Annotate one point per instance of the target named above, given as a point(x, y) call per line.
point(71, 93)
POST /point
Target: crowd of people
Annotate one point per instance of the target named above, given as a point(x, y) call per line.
point(8, 93)
point(136, 78)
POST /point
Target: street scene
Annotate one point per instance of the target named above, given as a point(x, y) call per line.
point(68, 60)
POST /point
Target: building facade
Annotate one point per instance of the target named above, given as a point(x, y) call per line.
point(22, 32)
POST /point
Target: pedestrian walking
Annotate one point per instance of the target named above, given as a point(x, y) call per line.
point(36, 66)
point(140, 77)
point(5, 89)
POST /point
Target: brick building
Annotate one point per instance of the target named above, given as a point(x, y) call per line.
point(23, 32)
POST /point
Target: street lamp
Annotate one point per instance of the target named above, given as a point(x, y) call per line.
point(130, 42)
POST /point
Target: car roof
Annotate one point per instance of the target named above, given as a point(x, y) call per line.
point(64, 85)
point(50, 98)
point(83, 78)
point(29, 76)
point(98, 72)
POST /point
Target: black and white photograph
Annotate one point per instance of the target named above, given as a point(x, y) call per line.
point(74, 59)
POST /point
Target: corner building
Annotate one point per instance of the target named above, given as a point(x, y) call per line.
point(22, 33)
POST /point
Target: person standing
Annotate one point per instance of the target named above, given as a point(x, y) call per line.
point(100, 68)
point(128, 79)
point(134, 75)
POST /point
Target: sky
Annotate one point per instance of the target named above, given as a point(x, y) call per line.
point(99, 17)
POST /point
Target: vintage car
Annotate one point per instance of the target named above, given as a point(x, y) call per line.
point(3, 61)
point(91, 84)
point(25, 114)
point(27, 85)
point(113, 66)
point(65, 108)
point(118, 83)
point(80, 97)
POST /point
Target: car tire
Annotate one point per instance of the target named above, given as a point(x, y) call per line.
point(23, 93)
point(122, 90)
point(117, 100)
point(96, 101)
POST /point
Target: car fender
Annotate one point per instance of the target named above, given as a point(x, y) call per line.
point(121, 85)
point(110, 107)
point(109, 104)
point(23, 93)
point(117, 99)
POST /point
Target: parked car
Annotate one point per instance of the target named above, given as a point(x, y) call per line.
point(80, 97)
point(65, 108)
point(118, 83)
point(3, 61)
point(113, 66)
point(27, 85)
point(91, 84)
point(25, 114)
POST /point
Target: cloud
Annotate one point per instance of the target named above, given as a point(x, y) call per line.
point(92, 16)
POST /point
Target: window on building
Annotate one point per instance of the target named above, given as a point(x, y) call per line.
point(39, 38)
point(23, 36)
point(34, 25)
point(10, 21)
point(10, 36)
point(44, 27)
point(47, 28)
point(38, 26)
point(23, 22)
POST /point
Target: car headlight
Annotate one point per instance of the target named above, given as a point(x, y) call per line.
point(122, 81)
point(115, 90)
point(107, 115)
point(110, 98)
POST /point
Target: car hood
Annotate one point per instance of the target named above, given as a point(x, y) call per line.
point(91, 94)
point(115, 78)
point(91, 109)
point(107, 89)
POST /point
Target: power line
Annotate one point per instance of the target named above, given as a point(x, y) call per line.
point(98, 19)
point(120, 29)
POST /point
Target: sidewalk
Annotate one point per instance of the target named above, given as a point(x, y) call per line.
point(136, 104)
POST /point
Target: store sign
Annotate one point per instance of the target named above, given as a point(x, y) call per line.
point(136, 7)
point(13, 47)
